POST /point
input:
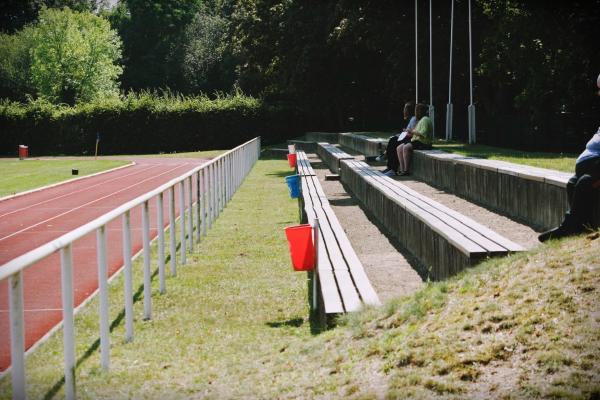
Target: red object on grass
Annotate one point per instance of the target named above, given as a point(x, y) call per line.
point(23, 152)
point(292, 160)
point(301, 245)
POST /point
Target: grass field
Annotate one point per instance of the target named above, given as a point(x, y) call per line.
point(557, 161)
point(234, 324)
point(18, 176)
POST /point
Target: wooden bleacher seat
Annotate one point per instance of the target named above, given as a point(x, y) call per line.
point(343, 285)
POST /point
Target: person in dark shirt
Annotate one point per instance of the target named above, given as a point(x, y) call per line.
point(580, 191)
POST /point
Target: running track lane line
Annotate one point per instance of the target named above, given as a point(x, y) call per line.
point(38, 310)
point(88, 203)
point(77, 191)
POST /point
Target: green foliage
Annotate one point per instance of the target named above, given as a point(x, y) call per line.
point(208, 63)
point(15, 14)
point(146, 122)
point(15, 64)
point(74, 57)
point(152, 33)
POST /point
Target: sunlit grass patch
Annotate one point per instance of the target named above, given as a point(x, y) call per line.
point(21, 175)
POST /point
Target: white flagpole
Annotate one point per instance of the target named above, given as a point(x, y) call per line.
point(472, 138)
point(449, 105)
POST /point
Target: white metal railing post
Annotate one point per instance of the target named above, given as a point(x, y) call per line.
point(223, 189)
point(203, 200)
point(230, 177)
point(160, 228)
point(190, 215)
point(315, 226)
point(103, 292)
point(213, 193)
point(128, 281)
point(182, 240)
point(66, 273)
point(172, 232)
point(198, 208)
point(147, 272)
point(226, 180)
point(17, 334)
point(216, 183)
point(219, 186)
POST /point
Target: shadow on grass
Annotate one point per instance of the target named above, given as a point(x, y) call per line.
point(295, 322)
point(138, 295)
point(282, 174)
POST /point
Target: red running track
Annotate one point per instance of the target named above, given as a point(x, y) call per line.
point(34, 219)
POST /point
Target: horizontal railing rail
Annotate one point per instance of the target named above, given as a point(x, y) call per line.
point(215, 183)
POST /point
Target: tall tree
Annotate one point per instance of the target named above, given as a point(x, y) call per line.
point(74, 56)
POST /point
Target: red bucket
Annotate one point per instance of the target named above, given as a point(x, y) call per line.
point(292, 160)
point(300, 240)
point(23, 152)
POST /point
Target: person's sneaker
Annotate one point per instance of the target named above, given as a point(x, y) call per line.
point(386, 170)
point(381, 157)
point(403, 173)
point(390, 173)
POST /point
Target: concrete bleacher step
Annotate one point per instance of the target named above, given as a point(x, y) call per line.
point(536, 196)
point(444, 240)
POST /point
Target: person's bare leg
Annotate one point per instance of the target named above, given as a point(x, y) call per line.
point(400, 152)
point(407, 156)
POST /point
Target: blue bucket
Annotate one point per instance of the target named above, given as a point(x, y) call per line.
point(293, 182)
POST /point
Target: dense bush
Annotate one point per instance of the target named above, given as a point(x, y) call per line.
point(143, 123)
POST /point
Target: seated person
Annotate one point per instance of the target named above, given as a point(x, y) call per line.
point(580, 191)
point(420, 139)
point(390, 152)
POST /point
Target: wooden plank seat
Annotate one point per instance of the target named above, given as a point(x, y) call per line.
point(332, 155)
point(534, 195)
point(343, 285)
point(366, 145)
point(444, 240)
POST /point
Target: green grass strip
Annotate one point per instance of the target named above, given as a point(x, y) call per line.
point(21, 175)
point(236, 300)
point(557, 161)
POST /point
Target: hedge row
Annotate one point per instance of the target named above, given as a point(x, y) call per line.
point(143, 123)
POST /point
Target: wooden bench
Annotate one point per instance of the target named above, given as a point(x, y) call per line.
point(445, 241)
point(534, 195)
point(343, 285)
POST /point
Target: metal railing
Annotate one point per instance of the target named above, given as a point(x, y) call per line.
point(216, 181)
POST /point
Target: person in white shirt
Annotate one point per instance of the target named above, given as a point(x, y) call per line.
point(390, 152)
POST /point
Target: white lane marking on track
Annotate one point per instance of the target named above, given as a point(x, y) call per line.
point(76, 191)
point(91, 202)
